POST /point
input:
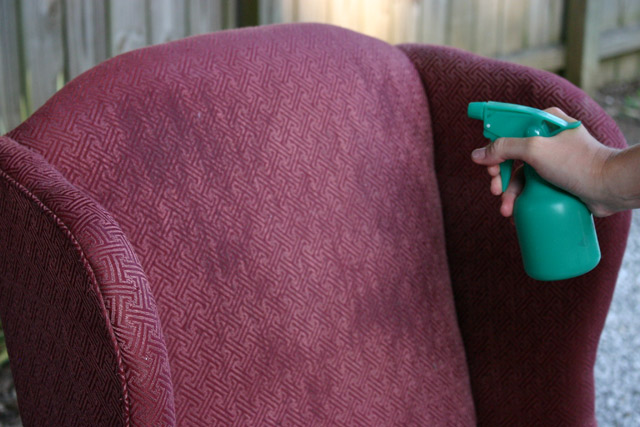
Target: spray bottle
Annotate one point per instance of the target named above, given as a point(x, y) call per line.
point(555, 229)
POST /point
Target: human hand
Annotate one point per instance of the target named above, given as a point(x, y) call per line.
point(572, 160)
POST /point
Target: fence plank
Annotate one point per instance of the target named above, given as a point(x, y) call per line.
point(128, 25)
point(529, 32)
point(405, 17)
point(583, 37)
point(376, 18)
point(461, 24)
point(206, 16)
point(619, 42)
point(289, 10)
point(628, 68)
point(607, 69)
point(434, 21)
point(514, 26)
point(167, 20)
point(312, 11)
point(267, 11)
point(629, 65)
point(44, 57)
point(85, 27)
point(9, 68)
point(550, 58)
point(345, 13)
point(631, 12)
point(487, 28)
point(538, 13)
point(277, 11)
point(556, 21)
point(610, 16)
point(231, 14)
point(246, 13)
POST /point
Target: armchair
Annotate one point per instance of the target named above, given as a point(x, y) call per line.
point(282, 226)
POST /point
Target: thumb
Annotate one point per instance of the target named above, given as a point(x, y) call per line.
point(503, 149)
point(559, 113)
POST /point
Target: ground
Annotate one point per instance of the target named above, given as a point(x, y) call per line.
point(8, 404)
point(617, 371)
point(622, 102)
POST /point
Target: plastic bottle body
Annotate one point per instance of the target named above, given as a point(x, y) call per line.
point(555, 230)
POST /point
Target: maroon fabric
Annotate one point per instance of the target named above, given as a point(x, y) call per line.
point(50, 309)
point(64, 267)
point(70, 291)
point(278, 186)
point(530, 345)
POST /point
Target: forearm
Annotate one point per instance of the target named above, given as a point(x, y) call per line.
point(622, 178)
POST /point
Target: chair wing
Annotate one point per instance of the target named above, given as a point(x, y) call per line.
point(81, 325)
point(530, 345)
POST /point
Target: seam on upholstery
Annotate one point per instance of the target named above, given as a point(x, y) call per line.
point(94, 282)
point(404, 47)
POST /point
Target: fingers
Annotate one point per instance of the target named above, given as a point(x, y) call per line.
point(514, 148)
point(496, 185)
point(559, 113)
point(503, 149)
point(496, 180)
point(536, 151)
point(513, 191)
point(494, 170)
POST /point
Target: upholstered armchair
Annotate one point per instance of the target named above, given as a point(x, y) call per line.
point(282, 226)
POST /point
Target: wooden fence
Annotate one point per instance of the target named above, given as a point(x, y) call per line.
point(593, 42)
point(45, 43)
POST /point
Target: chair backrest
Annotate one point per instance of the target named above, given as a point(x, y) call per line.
point(277, 185)
point(531, 346)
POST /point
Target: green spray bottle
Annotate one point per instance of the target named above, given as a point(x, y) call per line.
point(555, 229)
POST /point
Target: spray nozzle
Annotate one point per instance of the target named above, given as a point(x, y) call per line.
point(516, 121)
point(476, 110)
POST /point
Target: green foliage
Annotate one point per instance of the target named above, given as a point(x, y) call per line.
point(4, 356)
point(631, 106)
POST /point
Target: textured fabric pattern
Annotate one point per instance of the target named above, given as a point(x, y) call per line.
point(277, 185)
point(530, 345)
point(59, 343)
point(81, 324)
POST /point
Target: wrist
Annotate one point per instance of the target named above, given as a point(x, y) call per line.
point(609, 187)
point(619, 181)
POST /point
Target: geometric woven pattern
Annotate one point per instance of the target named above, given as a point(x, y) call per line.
point(62, 355)
point(253, 223)
point(277, 186)
point(531, 346)
point(81, 324)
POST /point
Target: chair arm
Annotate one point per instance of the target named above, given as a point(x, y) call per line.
point(81, 325)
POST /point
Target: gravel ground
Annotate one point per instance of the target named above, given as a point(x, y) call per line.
point(8, 403)
point(617, 371)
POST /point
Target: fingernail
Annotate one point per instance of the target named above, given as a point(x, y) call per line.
point(478, 153)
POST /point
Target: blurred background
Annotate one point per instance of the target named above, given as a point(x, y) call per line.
point(45, 43)
point(593, 43)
